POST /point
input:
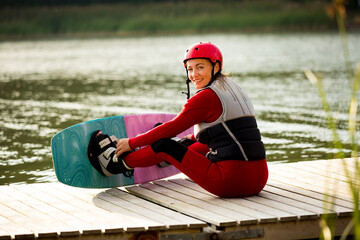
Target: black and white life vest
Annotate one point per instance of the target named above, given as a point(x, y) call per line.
point(234, 135)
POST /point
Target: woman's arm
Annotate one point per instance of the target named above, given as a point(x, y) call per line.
point(205, 106)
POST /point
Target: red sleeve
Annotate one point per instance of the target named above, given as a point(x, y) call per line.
point(204, 106)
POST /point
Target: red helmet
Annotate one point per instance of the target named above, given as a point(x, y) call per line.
point(204, 50)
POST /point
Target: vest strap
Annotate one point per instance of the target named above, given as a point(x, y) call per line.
point(235, 140)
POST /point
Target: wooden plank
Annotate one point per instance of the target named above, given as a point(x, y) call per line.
point(73, 215)
point(23, 222)
point(65, 222)
point(240, 217)
point(334, 167)
point(278, 174)
point(301, 210)
point(37, 210)
point(350, 164)
point(254, 204)
point(311, 204)
point(4, 235)
point(196, 191)
point(221, 212)
point(131, 221)
point(107, 221)
point(286, 212)
point(179, 205)
point(88, 200)
point(333, 183)
point(36, 220)
point(301, 182)
point(121, 206)
point(327, 170)
point(321, 182)
point(4, 232)
point(340, 207)
point(113, 218)
point(330, 170)
point(339, 168)
point(174, 219)
point(81, 218)
point(9, 228)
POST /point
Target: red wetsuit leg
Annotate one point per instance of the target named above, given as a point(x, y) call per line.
point(146, 157)
point(230, 178)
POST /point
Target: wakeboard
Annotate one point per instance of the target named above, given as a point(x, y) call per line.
point(69, 151)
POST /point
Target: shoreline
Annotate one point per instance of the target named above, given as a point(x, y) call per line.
point(139, 34)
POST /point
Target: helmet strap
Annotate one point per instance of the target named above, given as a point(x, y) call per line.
point(188, 86)
point(213, 76)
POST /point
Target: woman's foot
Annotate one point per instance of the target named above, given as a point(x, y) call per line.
point(101, 153)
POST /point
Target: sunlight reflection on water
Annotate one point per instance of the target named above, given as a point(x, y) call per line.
point(46, 86)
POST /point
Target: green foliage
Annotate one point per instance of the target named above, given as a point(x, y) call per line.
point(162, 16)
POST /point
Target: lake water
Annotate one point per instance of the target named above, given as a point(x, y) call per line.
point(46, 86)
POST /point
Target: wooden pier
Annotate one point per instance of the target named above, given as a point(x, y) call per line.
point(290, 207)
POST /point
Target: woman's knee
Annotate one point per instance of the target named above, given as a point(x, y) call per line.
point(170, 147)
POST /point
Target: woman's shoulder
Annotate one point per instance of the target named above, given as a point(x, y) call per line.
point(204, 99)
point(206, 93)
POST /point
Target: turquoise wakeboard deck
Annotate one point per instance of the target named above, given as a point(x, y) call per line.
point(69, 151)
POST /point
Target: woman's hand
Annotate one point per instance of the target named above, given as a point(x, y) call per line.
point(188, 136)
point(122, 146)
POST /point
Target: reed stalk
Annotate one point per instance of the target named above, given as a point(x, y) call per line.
point(337, 9)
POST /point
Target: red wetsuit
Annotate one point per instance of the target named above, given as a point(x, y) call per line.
point(228, 178)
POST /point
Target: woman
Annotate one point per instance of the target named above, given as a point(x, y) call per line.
point(225, 156)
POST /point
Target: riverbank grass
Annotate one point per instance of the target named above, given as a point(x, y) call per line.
point(352, 176)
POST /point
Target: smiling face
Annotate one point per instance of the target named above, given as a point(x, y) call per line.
point(199, 71)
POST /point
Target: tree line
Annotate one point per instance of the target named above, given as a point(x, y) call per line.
point(350, 4)
point(33, 3)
